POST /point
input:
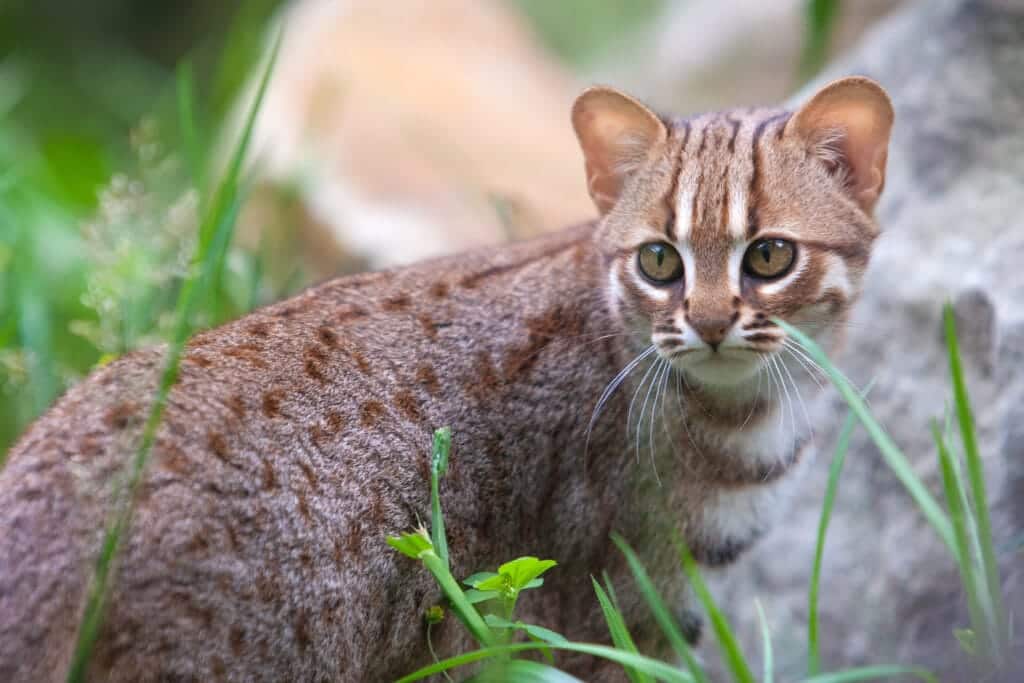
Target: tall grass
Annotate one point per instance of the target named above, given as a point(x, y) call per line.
point(215, 234)
point(965, 531)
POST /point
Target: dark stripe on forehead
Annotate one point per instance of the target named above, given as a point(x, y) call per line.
point(735, 123)
point(754, 195)
point(670, 198)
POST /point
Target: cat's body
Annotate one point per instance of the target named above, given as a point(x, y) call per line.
point(297, 438)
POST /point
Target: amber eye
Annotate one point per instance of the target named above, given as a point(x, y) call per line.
point(660, 262)
point(769, 259)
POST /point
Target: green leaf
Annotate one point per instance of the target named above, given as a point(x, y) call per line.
point(652, 667)
point(820, 18)
point(474, 596)
point(618, 630)
point(842, 446)
point(438, 466)
point(411, 544)
point(523, 570)
point(539, 632)
point(666, 622)
point(473, 580)
point(442, 449)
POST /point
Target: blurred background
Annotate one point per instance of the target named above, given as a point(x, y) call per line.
point(398, 130)
point(391, 132)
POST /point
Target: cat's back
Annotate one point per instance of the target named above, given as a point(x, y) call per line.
point(294, 439)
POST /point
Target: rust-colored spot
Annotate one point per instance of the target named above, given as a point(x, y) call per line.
point(122, 415)
point(268, 589)
point(272, 403)
point(198, 543)
point(317, 434)
point(360, 360)
point(90, 446)
point(236, 640)
point(370, 412)
point(236, 404)
point(354, 540)
point(303, 505)
point(426, 376)
point(338, 556)
point(173, 459)
point(542, 330)
point(327, 337)
point(232, 537)
point(201, 361)
point(349, 313)
point(260, 329)
point(218, 668)
point(310, 475)
point(316, 353)
point(335, 421)
point(377, 508)
point(408, 405)
point(429, 328)
point(305, 559)
point(313, 370)
point(218, 446)
point(289, 311)
point(269, 476)
point(485, 379)
point(249, 353)
point(423, 466)
point(302, 630)
point(397, 302)
point(439, 289)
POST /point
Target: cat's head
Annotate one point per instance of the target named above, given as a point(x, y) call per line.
point(712, 226)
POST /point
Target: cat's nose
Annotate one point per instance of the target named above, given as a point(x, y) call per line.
point(712, 330)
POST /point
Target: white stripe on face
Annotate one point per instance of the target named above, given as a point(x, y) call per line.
point(837, 277)
point(684, 213)
point(737, 214)
point(659, 294)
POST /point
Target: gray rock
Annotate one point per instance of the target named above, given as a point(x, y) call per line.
point(953, 230)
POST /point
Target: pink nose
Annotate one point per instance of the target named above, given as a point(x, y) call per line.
point(712, 330)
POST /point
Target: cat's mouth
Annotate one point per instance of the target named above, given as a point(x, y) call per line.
point(724, 366)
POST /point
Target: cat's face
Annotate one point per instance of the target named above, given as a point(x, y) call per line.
point(717, 224)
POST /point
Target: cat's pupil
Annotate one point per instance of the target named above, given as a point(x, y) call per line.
point(661, 255)
point(766, 252)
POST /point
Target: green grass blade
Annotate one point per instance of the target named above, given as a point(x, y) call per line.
point(873, 673)
point(893, 456)
point(211, 230)
point(729, 646)
point(842, 446)
point(618, 630)
point(659, 670)
point(460, 604)
point(979, 618)
point(665, 620)
point(438, 465)
point(768, 669)
point(524, 671)
point(976, 477)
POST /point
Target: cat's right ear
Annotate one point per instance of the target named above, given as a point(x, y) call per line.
point(617, 135)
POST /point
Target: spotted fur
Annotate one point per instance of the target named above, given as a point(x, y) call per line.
point(298, 438)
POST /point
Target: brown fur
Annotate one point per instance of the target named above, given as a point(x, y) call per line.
point(282, 463)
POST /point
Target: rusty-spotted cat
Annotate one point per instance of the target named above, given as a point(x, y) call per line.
point(620, 375)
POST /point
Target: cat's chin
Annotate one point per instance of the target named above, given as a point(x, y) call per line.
point(727, 369)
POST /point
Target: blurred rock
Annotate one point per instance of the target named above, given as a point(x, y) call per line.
point(703, 55)
point(952, 230)
point(412, 129)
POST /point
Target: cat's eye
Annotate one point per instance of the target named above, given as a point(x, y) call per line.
point(768, 259)
point(660, 262)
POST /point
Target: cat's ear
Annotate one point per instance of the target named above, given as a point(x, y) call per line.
point(617, 134)
point(847, 123)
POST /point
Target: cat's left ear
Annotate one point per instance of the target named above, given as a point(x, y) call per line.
point(617, 135)
point(847, 123)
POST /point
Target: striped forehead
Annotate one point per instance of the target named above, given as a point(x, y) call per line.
point(716, 187)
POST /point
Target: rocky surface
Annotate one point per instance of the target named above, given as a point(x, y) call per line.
point(953, 230)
